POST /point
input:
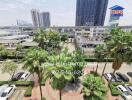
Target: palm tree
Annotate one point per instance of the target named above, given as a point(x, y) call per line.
point(120, 47)
point(33, 62)
point(104, 68)
point(54, 40)
point(19, 47)
point(41, 38)
point(64, 37)
point(78, 60)
point(10, 67)
point(99, 54)
point(48, 40)
point(3, 51)
point(93, 88)
point(60, 71)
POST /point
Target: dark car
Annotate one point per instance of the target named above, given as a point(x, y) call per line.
point(123, 77)
point(17, 76)
point(129, 74)
point(1, 59)
point(117, 78)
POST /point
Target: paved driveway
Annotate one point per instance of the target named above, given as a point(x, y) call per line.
point(4, 76)
point(124, 69)
point(18, 94)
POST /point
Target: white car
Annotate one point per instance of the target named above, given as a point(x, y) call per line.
point(109, 77)
point(129, 88)
point(2, 88)
point(8, 92)
point(24, 76)
point(124, 92)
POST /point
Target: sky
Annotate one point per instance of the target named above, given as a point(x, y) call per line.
point(62, 11)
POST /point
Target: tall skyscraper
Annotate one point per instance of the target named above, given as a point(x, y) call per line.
point(35, 17)
point(91, 12)
point(45, 19)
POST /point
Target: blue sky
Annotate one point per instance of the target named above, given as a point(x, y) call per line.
point(62, 11)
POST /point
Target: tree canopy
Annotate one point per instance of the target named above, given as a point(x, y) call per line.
point(10, 67)
point(93, 88)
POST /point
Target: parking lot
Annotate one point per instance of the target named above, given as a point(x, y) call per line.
point(124, 69)
point(18, 94)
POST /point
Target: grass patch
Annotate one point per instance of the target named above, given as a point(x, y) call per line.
point(28, 92)
point(94, 73)
point(43, 83)
point(43, 98)
point(114, 90)
point(18, 83)
point(24, 83)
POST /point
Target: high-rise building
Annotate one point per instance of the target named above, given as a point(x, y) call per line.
point(45, 19)
point(35, 17)
point(91, 12)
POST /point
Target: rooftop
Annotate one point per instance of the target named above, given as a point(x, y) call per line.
point(13, 37)
point(29, 44)
point(9, 41)
point(3, 32)
point(116, 7)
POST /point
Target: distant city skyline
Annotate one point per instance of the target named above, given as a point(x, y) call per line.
point(62, 11)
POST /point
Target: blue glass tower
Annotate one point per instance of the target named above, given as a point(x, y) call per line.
point(91, 12)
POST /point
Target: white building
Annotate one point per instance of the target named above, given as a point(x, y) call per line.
point(10, 38)
point(35, 17)
point(88, 37)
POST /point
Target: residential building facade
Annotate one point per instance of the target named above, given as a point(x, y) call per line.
point(87, 37)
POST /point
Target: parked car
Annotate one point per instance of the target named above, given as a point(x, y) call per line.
point(1, 59)
point(129, 74)
point(25, 76)
point(17, 76)
point(129, 88)
point(2, 88)
point(124, 92)
point(109, 77)
point(123, 77)
point(117, 78)
point(8, 92)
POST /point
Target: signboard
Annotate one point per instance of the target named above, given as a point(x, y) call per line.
point(116, 11)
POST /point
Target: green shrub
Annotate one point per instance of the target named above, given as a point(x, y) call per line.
point(5, 82)
point(18, 83)
point(94, 73)
point(43, 98)
point(113, 87)
point(93, 59)
point(114, 90)
point(24, 83)
point(28, 92)
point(43, 83)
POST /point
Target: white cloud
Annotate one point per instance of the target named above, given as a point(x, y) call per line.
point(4, 9)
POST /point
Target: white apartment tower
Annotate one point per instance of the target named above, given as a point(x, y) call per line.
point(35, 17)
